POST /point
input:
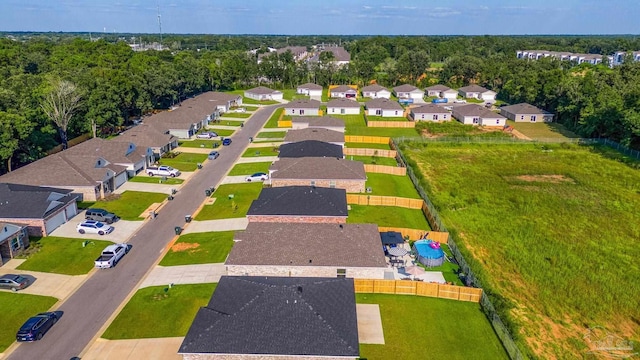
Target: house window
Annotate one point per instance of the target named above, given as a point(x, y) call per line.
point(15, 244)
point(444, 116)
point(301, 112)
point(332, 184)
point(422, 116)
point(435, 116)
point(498, 121)
point(396, 112)
point(378, 112)
point(293, 111)
point(521, 117)
point(333, 110)
point(341, 273)
point(533, 118)
point(342, 111)
point(476, 120)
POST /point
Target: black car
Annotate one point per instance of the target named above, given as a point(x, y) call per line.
point(226, 142)
point(35, 328)
point(100, 215)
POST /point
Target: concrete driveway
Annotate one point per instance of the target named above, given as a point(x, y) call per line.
point(244, 160)
point(184, 274)
point(157, 349)
point(46, 284)
point(122, 232)
point(216, 225)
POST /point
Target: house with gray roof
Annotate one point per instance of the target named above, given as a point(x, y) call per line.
point(524, 112)
point(408, 92)
point(383, 107)
point(430, 112)
point(133, 157)
point(441, 91)
point(307, 249)
point(340, 55)
point(299, 204)
point(317, 122)
point(302, 107)
point(262, 93)
point(324, 135)
point(13, 239)
point(310, 148)
point(320, 172)
point(343, 91)
point(343, 106)
point(40, 209)
point(375, 91)
point(473, 114)
point(477, 92)
point(146, 136)
point(223, 102)
point(251, 317)
point(310, 89)
point(187, 118)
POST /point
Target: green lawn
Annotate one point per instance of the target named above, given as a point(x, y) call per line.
point(419, 328)
point(272, 134)
point(199, 248)
point(391, 185)
point(184, 161)
point(156, 180)
point(130, 204)
point(225, 122)
point(391, 216)
point(543, 130)
point(198, 143)
point(273, 120)
point(170, 310)
point(238, 115)
point(260, 151)
point(249, 168)
point(455, 129)
point(540, 223)
point(62, 255)
point(246, 100)
point(380, 118)
point(355, 125)
point(377, 160)
point(290, 94)
point(367, 146)
point(250, 108)
point(16, 309)
point(224, 207)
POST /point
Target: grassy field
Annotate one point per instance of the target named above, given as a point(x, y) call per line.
point(551, 229)
point(290, 94)
point(62, 255)
point(543, 130)
point(199, 248)
point(381, 118)
point(272, 134)
point(225, 122)
point(377, 160)
point(260, 151)
point(184, 161)
point(388, 216)
point(273, 120)
point(391, 185)
point(454, 128)
point(171, 312)
point(224, 208)
point(419, 328)
point(249, 168)
point(238, 115)
point(355, 125)
point(367, 146)
point(16, 309)
point(156, 180)
point(130, 204)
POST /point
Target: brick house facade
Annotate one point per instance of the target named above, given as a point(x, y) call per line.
point(351, 186)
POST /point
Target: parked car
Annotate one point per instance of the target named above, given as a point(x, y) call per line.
point(206, 135)
point(162, 170)
point(226, 142)
point(94, 227)
point(111, 255)
point(460, 101)
point(213, 155)
point(13, 282)
point(260, 176)
point(35, 328)
point(100, 215)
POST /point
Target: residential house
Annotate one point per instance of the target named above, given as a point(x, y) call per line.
point(310, 89)
point(408, 93)
point(430, 112)
point(450, 94)
point(223, 102)
point(320, 172)
point(477, 92)
point(250, 317)
point(524, 112)
point(321, 122)
point(147, 136)
point(375, 91)
point(343, 91)
point(310, 148)
point(303, 107)
point(134, 158)
point(13, 239)
point(324, 135)
point(189, 117)
point(307, 249)
point(262, 93)
point(340, 55)
point(299, 204)
point(436, 90)
point(298, 52)
point(41, 209)
point(473, 114)
point(383, 107)
point(343, 106)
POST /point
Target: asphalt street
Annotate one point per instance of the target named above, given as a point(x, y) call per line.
point(85, 312)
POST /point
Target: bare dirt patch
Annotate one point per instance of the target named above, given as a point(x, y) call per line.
point(554, 179)
point(179, 247)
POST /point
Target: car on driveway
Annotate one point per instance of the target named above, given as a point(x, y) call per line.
point(13, 282)
point(100, 215)
point(35, 328)
point(226, 142)
point(94, 227)
point(213, 155)
point(206, 135)
point(260, 176)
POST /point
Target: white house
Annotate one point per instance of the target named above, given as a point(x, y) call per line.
point(477, 92)
point(343, 91)
point(407, 91)
point(303, 107)
point(262, 93)
point(383, 107)
point(343, 106)
point(473, 114)
point(430, 112)
point(310, 89)
point(375, 91)
point(435, 90)
point(525, 113)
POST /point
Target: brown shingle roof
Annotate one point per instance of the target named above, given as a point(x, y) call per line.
point(318, 168)
point(476, 110)
point(438, 87)
point(147, 136)
point(343, 103)
point(324, 135)
point(342, 89)
point(301, 244)
point(473, 88)
point(374, 87)
point(384, 104)
point(339, 53)
point(114, 151)
point(310, 86)
point(405, 88)
point(303, 104)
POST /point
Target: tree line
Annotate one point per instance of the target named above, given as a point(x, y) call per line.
point(113, 84)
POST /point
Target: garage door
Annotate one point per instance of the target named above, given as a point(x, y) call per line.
point(54, 222)
point(71, 210)
point(121, 179)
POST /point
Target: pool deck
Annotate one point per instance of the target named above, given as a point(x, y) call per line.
point(398, 271)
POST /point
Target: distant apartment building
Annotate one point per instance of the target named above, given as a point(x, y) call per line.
point(616, 59)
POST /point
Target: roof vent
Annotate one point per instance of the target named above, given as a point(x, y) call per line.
point(300, 289)
point(310, 261)
point(341, 226)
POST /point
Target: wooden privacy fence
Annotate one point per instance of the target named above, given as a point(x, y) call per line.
point(73, 142)
point(385, 169)
point(412, 234)
point(369, 152)
point(375, 200)
point(367, 139)
point(418, 288)
point(391, 124)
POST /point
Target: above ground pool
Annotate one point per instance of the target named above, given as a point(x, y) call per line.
point(428, 253)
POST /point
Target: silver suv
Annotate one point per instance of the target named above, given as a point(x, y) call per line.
point(101, 215)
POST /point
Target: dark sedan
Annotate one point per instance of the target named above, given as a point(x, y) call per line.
point(35, 328)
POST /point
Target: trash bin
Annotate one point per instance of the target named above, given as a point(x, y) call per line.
point(207, 192)
point(174, 191)
point(216, 144)
point(250, 138)
point(152, 214)
point(170, 197)
point(178, 230)
point(187, 218)
point(199, 166)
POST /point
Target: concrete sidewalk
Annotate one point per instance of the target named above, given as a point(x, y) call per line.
point(216, 225)
point(244, 160)
point(46, 284)
point(184, 274)
point(222, 127)
point(134, 349)
point(264, 144)
point(274, 129)
point(239, 179)
point(146, 187)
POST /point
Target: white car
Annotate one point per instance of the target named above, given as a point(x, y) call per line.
point(94, 227)
point(257, 177)
point(206, 135)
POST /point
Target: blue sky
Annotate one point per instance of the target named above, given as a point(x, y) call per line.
point(340, 17)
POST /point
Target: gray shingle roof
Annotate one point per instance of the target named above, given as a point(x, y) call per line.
point(473, 88)
point(429, 109)
point(262, 90)
point(300, 201)
point(317, 134)
point(277, 316)
point(437, 87)
point(308, 244)
point(310, 86)
point(476, 110)
point(339, 53)
point(113, 150)
point(524, 108)
point(343, 103)
point(31, 202)
point(147, 136)
point(374, 87)
point(303, 104)
point(316, 168)
point(319, 121)
point(384, 104)
point(342, 89)
point(310, 148)
point(405, 88)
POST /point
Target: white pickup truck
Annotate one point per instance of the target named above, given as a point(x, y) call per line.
point(162, 170)
point(111, 255)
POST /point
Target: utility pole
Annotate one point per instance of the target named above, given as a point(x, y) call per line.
point(159, 24)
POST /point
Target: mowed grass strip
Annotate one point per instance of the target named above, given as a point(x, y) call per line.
point(391, 185)
point(199, 248)
point(391, 216)
point(419, 328)
point(156, 180)
point(542, 130)
point(272, 134)
point(170, 311)
point(367, 146)
point(373, 160)
point(225, 207)
point(388, 118)
point(16, 309)
point(250, 168)
point(273, 120)
point(130, 204)
point(239, 115)
point(62, 255)
point(260, 151)
point(184, 161)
